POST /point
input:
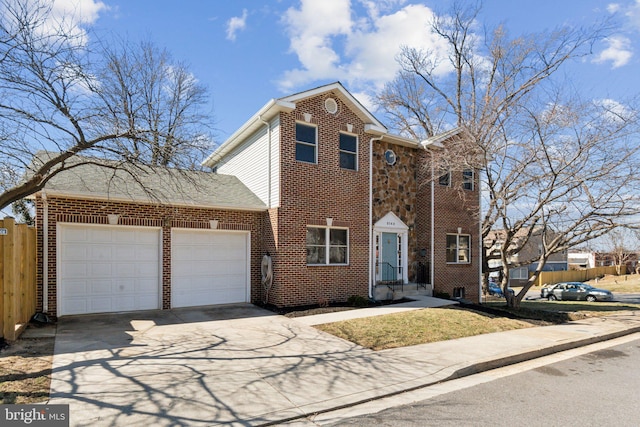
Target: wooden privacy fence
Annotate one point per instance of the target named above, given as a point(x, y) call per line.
point(17, 277)
point(551, 277)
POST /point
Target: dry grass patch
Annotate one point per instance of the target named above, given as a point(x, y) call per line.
point(627, 284)
point(419, 327)
point(25, 371)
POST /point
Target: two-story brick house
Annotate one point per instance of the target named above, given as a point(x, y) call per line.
point(352, 208)
point(313, 180)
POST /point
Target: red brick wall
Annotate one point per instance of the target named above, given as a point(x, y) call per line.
point(454, 207)
point(95, 212)
point(309, 194)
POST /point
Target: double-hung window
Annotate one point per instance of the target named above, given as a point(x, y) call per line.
point(467, 179)
point(327, 245)
point(306, 143)
point(348, 151)
point(458, 248)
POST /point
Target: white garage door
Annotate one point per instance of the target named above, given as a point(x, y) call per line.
point(209, 267)
point(107, 268)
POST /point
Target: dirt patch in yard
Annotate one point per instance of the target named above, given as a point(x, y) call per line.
point(25, 370)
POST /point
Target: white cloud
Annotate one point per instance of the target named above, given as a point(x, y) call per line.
point(332, 43)
point(618, 51)
point(615, 111)
point(69, 17)
point(81, 12)
point(235, 24)
point(613, 7)
point(633, 14)
point(312, 30)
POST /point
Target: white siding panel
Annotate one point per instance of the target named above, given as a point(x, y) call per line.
point(250, 163)
point(275, 164)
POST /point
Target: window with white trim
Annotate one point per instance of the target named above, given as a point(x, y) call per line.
point(327, 246)
point(348, 151)
point(458, 248)
point(467, 179)
point(306, 143)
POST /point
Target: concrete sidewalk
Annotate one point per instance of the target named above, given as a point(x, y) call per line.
point(245, 366)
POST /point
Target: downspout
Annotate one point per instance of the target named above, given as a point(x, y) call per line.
point(45, 253)
point(480, 243)
point(268, 125)
point(371, 248)
point(433, 228)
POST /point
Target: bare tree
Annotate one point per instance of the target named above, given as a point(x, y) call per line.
point(161, 98)
point(549, 162)
point(621, 244)
point(56, 97)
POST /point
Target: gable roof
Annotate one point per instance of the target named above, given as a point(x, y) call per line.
point(101, 179)
point(288, 104)
point(339, 90)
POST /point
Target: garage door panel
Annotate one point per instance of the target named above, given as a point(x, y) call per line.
point(98, 236)
point(98, 252)
point(108, 268)
point(73, 252)
point(72, 271)
point(209, 267)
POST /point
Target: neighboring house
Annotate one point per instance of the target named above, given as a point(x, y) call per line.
point(579, 260)
point(607, 259)
point(522, 261)
point(312, 180)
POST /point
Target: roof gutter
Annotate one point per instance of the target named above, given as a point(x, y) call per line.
point(93, 196)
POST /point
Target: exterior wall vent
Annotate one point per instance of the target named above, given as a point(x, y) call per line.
point(331, 105)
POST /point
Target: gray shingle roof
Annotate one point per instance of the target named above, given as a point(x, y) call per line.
point(103, 179)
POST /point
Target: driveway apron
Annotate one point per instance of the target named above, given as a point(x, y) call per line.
point(232, 365)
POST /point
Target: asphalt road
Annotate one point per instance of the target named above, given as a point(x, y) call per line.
point(599, 388)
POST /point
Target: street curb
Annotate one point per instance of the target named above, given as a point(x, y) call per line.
point(535, 354)
point(472, 369)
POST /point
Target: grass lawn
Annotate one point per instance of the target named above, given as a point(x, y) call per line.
point(628, 284)
point(420, 327)
point(439, 324)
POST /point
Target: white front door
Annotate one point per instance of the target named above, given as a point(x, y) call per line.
point(390, 251)
point(389, 270)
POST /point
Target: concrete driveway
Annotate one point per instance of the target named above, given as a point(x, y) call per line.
point(233, 365)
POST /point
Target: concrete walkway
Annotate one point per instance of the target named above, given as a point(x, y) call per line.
point(241, 365)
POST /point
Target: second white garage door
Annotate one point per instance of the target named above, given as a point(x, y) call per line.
point(209, 267)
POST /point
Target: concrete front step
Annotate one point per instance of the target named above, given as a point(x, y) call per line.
point(384, 292)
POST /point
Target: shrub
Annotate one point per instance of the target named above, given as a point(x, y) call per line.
point(358, 301)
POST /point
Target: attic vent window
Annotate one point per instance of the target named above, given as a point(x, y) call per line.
point(331, 105)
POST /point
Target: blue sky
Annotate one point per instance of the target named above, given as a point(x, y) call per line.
point(249, 51)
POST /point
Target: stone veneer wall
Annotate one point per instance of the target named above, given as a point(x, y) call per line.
point(394, 190)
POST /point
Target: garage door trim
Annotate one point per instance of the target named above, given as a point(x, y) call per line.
point(247, 259)
point(59, 253)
